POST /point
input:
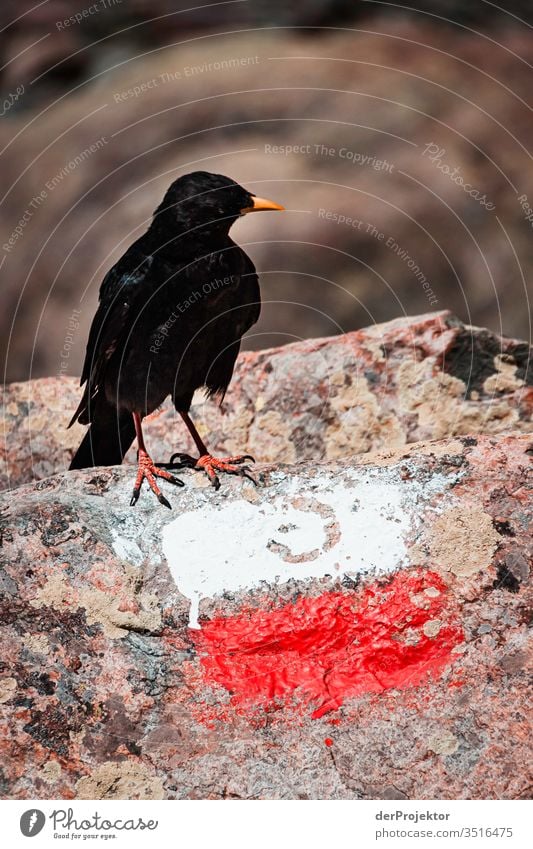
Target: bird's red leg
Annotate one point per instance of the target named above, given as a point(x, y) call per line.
point(209, 464)
point(147, 469)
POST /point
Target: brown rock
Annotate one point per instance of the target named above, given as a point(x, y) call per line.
point(372, 390)
point(105, 689)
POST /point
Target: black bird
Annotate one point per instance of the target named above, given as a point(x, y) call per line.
point(170, 319)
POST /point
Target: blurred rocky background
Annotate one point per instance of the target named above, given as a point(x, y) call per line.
point(398, 141)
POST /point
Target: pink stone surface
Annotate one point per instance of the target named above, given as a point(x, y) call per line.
point(103, 691)
point(411, 379)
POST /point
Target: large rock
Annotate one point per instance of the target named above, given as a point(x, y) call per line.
point(362, 627)
point(427, 377)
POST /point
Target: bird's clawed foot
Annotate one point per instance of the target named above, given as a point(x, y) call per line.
point(149, 470)
point(211, 465)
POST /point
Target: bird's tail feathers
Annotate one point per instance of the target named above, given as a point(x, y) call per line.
point(108, 437)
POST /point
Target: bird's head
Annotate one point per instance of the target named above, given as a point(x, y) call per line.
point(203, 203)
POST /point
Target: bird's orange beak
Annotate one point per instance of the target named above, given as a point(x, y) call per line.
point(260, 204)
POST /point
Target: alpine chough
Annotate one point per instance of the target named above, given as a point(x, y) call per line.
point(170, 319)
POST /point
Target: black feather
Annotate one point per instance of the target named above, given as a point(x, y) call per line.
point(171, 315)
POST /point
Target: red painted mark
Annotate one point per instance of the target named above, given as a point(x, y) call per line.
point(333, 647)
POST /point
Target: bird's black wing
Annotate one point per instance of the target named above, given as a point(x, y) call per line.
point(243, 316)
point(253, 297)
point(120, 292)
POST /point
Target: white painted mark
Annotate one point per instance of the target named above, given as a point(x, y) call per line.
point(336, 529)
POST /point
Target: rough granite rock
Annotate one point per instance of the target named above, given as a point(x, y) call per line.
point(411, 379)
point(400, 580)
